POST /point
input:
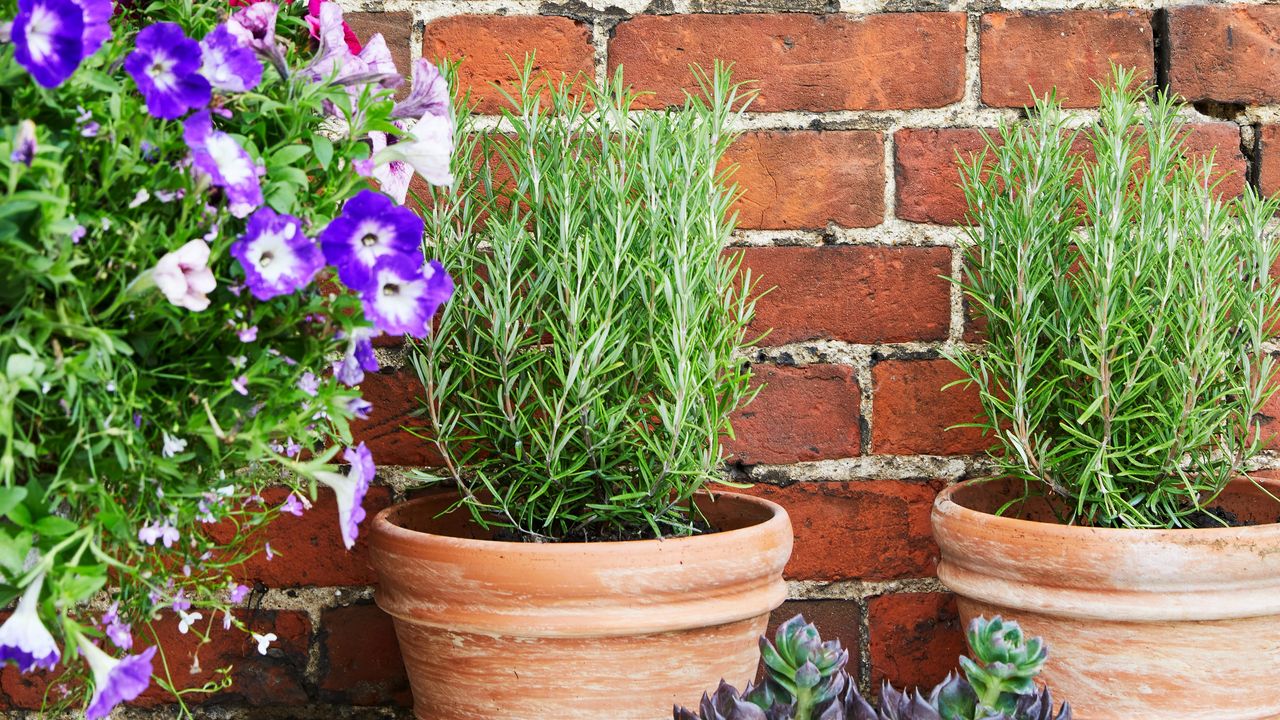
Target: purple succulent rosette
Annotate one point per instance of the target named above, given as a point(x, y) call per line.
point(115, 681)
point(219, 157)
point(48, 39)
point(277, 257)
point(370, 227)
point(166, 67)
point(228, 63)
point(23, 638)
point(404, 295)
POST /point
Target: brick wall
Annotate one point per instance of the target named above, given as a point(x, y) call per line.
point(850, 211)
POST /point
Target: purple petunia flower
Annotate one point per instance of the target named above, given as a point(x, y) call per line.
point(350, 490)
point(428, 148)
point(370, 227)
point(429, 94)
point(403, 296)
point(255, 27)
point(358, 359)
point(23, 638)
point(114, 680)
point(184, 276)
point(335, 62)
point(97, 24)
point(278, 259)
point(48, 39)
point(359, 408)
point(166, 68)
point(216, 155)
point(393, 176)
point(228, 63)
point(24, 144)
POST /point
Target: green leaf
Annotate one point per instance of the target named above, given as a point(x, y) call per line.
point(10, 497)
point(323, 149)
point(288, 155)
point(52, 526)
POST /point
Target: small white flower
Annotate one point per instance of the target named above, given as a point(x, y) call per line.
point(173, 445)
point(187, 620)
point(140, 198)
point(264, 641)
point(428, 148)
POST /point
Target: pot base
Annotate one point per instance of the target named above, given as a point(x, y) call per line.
point(464, 676)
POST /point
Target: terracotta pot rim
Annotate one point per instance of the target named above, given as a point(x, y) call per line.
point(945, 504)
point(384, 525)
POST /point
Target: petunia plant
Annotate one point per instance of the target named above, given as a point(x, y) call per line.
point(201, 235)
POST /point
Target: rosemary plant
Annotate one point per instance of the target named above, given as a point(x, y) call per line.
point(580, 385)
point(1126, 310)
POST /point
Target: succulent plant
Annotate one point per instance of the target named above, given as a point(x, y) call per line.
point(806, 679)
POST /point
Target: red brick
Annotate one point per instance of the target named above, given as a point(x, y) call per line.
point(1067, 50)
point(928, 174)
point(1228, 54)
point(864, 530)
point(488, 45)
point(855, 293)
point(916, 639)
point(360, 658)
point(277, 678)
point(809, 179)
point(1269, 162)
point(801, 62)
point(802, 413)
point(836, 620)
point(396, 28)
point(27, 691)
point(308, 550)
point(394, 394)
point(911, 412)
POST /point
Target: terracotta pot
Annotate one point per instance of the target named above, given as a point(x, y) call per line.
point(1159, 624)
point(609, 630)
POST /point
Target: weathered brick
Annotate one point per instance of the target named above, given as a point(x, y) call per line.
point(911, 412)
point(809, 179)
point(864, 530)
point(801, 62)
point(1269, 162)
point(802, 413)
point(360, 658)
point(277, 678)
point(1067, 50)
point(394, 393)
point(836, 620)
point(308, 550)
point(488, 45)
point(397, 30)
point(853, 293)
point(928, 174)
point(916, 638)
point(1229, 54)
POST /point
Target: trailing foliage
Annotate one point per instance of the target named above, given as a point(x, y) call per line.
point(165, 351)
point(1124, 308)
point(805, 679)
point(581, 385)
